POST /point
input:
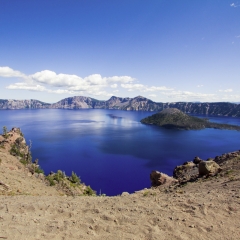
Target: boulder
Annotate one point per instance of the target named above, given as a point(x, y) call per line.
point(186, 172)
point(208, 168)
point(158, 178)
point(197, 160)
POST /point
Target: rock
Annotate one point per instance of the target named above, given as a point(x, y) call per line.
point(197, 160)
point(125, 194)
point(186, 172)
point(209, 168)
point(158, 178)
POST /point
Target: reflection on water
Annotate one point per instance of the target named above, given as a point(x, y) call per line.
point(110, 149)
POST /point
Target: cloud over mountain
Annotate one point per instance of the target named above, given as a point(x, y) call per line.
point(96, 85)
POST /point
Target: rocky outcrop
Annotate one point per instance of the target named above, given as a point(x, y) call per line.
point(227, 156)
point(198, 168)
point(138, 103)
point(208, 168)
point(186, 172)
point(158, 179)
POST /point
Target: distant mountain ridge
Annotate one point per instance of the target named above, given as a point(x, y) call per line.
point(138, 103)
point(22, 104)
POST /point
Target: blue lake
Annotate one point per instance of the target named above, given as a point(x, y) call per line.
point(110, 149)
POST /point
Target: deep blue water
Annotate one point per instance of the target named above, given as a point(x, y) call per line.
point(110, 149)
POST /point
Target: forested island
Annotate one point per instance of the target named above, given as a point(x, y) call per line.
point(174, 118)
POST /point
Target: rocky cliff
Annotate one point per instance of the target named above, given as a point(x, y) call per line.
point(138, 103)
point(22, 104)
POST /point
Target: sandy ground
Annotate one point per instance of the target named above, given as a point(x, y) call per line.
point(206, 209)
point(209, 210)
point(18, 180)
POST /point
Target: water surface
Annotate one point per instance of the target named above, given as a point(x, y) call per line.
point(110, 149)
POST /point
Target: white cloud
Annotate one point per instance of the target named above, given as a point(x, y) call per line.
point(226, 90)
point(95, 79)
point(101, 93)
point(154, 89)
point(238, 36)
point(122, 79)
point(60, 91)
point(9, 72)
point(24, 86)
point(144, 88)
point(230, 98)
point(186, 95)
point(59, 80)
point(132, 87)
point(234, 5)
point(67, 80)
point(52, 82)
point(114, 85)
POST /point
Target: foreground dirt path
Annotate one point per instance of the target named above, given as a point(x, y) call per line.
point(203, 210)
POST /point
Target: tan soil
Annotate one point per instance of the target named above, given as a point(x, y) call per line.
point(207, 209)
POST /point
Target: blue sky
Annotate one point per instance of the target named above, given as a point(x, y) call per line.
point(165, 50)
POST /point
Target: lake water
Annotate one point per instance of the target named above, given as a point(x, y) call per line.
point(110, 149)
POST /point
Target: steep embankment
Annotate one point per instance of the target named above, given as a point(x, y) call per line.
point(174, 118)
point(138, 103)
point(15, 177)
point(19, 175)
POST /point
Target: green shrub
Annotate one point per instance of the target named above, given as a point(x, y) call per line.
point(74, 178)
point(5, 131)
point(89, 192)
point(59, 176)
point(50, 179)
point(15, 151)
point(24, 162)
point(39, 170)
